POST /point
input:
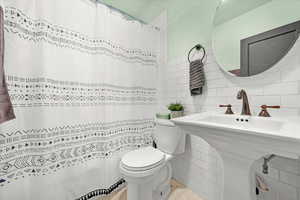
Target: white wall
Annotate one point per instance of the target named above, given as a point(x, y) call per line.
point(200, 167)
point(277, 86)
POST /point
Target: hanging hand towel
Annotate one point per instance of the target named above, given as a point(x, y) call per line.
point(6, 109)
point(260, 184)
point(197, 78)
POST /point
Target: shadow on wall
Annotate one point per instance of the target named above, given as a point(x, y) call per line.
point(200, 168)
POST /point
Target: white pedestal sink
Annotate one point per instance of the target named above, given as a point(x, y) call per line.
point(241, 140)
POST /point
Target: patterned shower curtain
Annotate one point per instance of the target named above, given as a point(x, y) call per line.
point(82, 80)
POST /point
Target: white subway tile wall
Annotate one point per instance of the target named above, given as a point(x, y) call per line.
point(200, 168)
point(283, 179)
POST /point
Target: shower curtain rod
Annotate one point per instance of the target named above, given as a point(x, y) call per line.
point(126, 15)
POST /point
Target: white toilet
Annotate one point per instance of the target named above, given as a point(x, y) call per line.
point(147, 170)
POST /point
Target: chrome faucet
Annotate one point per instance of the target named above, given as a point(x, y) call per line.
point(245, 108)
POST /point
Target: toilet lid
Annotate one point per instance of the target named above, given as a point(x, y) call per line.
point(143, 159)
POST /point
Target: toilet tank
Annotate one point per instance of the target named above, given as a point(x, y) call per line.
point(169, 138)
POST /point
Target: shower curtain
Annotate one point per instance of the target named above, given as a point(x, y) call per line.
point(82, 81)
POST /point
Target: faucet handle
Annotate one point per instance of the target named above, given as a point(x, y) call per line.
point(228, 110)
point(264, 112)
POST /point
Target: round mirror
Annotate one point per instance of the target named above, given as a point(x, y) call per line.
point(251, 36)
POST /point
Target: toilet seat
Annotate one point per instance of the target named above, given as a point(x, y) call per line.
point(143, 159)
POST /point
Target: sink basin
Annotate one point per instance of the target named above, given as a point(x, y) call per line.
point(268, 127)
point(240, 140)
point(243, 122)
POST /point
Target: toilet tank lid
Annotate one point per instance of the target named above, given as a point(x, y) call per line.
point(164, 122)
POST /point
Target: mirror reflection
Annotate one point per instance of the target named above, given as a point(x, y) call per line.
point(251, 36)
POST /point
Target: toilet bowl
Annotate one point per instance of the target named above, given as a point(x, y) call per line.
point(148, 170)
point(148, 173)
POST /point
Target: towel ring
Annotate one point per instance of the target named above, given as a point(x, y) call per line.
point(198, 47)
